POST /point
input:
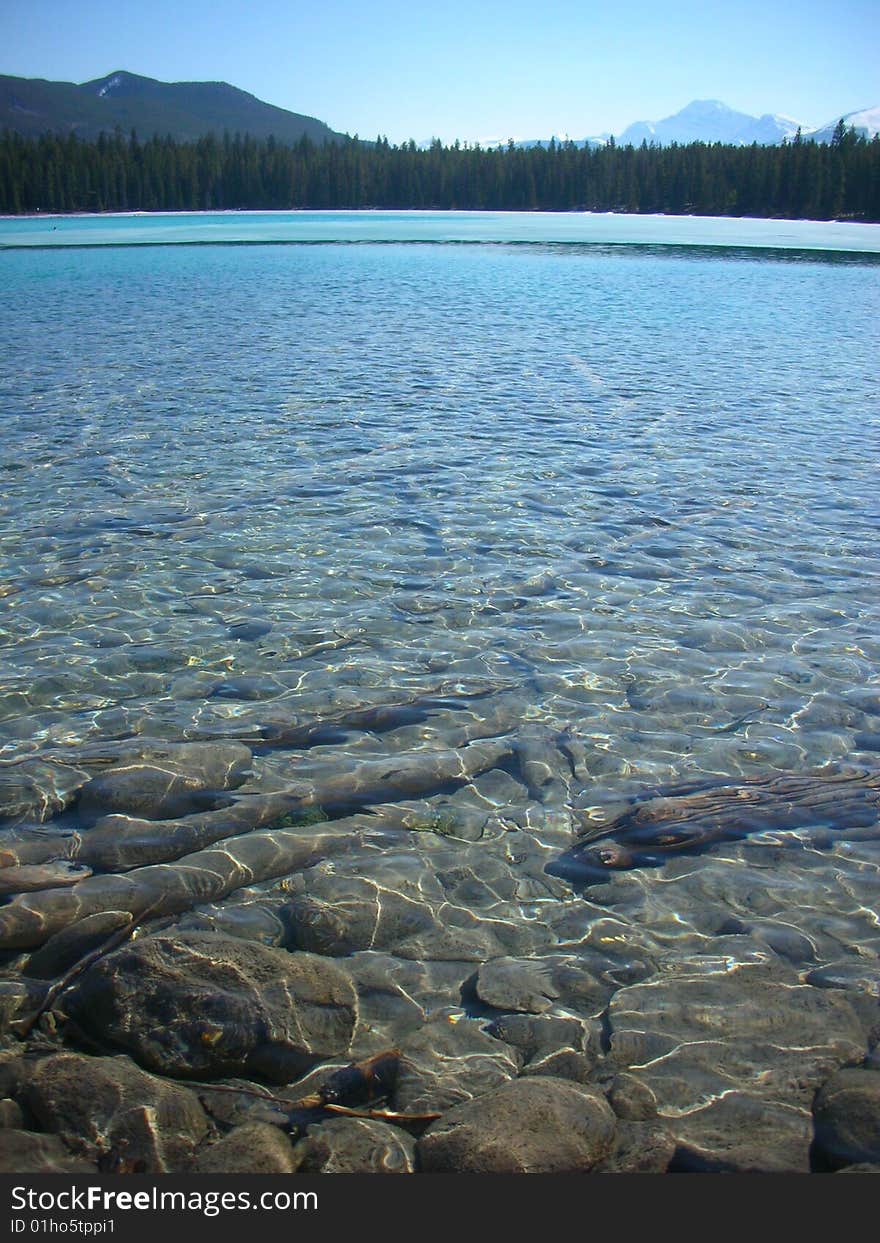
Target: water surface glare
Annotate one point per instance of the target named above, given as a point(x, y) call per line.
point(614, 503)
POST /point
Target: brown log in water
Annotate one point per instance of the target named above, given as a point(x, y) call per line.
point(691, 817)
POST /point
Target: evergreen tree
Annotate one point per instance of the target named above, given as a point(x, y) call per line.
point(801, 178)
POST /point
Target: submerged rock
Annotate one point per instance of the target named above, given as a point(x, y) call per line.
point(255, 1148)
point(395, 996)
point(120, 842)
point(442, 943)
point(846, 1114)
point(632, 1100)
point(691, 1038)
point(517, 984)
point(338, 914)
point(202, 1005)
point(563, 1064)
point(449, 1060)
point(231, 1109)
point(249, 630)
point(109, 1110)
point(10, 1114)
point(852, 975)
point(741, 1133)
point(31, 878)
point(732, 1059)
point(529, 1126)
point(204, 876)
point(37, 789)
point(645, 1147)
point(71, 944)
point(18, 999)
point(22, 1152)
point(355, 1146)
point(167, 782)
point(539, 1036)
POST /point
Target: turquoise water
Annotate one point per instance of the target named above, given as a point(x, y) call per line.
point(564, 228)
point(621, 488)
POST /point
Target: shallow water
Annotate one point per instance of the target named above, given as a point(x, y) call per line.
point(614, 502)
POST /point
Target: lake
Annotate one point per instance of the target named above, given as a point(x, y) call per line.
point(470, 533)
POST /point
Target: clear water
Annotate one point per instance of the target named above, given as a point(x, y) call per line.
point(629, 491)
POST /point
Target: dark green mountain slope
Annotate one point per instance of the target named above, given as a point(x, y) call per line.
point(185, 110)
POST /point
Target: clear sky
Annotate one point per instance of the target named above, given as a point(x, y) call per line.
point(471, 69)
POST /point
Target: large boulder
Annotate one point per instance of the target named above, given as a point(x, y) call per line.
point(529, 1126)
point(107, 1109)
point(201, 1005)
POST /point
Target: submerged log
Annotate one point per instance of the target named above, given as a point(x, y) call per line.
point(693, 816)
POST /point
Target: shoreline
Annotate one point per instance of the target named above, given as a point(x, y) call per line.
point(418, 211)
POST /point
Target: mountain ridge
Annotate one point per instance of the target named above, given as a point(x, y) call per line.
point(124, 100)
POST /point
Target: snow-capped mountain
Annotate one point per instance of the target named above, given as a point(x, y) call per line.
point(709, 120)
point(703, 120)
point(866, 124)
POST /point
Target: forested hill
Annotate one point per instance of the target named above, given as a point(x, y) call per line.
point(184, 110)
point(812, 180)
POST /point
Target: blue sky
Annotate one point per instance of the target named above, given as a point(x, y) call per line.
point(470, 69)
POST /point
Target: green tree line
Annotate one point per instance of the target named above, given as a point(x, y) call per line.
point(55, 173)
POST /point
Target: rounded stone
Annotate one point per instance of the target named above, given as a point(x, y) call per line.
point(355, 1146)
point(22, 1152)
point(530, 1126)
point(11, 1116)
point(846, 1114)
point(521, 985)
point(109, 1110)
point(631, 1099)
point(166, 783)
point(255, 1148)
point(201, 1005)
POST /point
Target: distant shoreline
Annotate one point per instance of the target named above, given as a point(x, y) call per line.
point(417, 211)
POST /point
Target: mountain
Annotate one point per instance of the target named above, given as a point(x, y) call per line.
point(703, 120)
point(709, 120)
point(866, 124)
point(186, 110)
